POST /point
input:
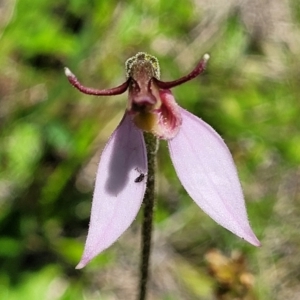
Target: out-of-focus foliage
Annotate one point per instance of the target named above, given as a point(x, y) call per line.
point(51, 138)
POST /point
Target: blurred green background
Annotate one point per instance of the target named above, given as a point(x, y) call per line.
point(51, 137)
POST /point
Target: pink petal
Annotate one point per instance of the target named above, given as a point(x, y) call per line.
point(117, 196)
point(169, 115)
point(206, 169)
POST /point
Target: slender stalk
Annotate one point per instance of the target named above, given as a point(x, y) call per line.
point(152, 146)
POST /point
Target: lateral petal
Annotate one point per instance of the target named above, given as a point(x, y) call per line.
point(117, 196)
point(206, 169)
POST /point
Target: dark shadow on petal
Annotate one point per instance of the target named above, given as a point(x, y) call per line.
point(128, 153)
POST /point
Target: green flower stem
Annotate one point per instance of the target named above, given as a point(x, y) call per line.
point(152, 147)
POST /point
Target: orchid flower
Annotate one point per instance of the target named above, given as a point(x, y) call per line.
point(201, 159)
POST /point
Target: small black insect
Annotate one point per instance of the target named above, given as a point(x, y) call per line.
point(141, 177)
